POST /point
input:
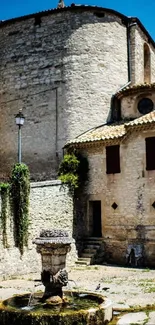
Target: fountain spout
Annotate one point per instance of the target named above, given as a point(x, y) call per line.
point(53, 245)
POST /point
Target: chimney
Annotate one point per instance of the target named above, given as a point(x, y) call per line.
point(61, 4)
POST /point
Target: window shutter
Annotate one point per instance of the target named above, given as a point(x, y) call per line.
point(150, 153)
point(113, 159)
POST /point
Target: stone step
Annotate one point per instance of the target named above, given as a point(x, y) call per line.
point(86, 255)
point(89, 250)
point(83, 261)
point(91, 241)
point(97, 239)
point(91, 246)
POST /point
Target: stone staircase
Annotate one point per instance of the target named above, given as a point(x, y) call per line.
point(90, 247)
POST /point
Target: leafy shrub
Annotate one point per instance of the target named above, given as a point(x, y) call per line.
point(4, 191)
point(19, 194)
point(73, 170)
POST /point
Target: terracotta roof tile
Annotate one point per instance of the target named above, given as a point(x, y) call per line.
point(103, 132)
point(113, 131)
point(145, 119)
point(134, 89)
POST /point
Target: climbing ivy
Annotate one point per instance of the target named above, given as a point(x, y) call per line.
point(19, 198)
point(73, 170)
point(4, 191)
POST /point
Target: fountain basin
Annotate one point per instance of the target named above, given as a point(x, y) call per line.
point(78, 308)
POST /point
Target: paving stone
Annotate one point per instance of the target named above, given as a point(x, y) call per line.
point(151, 319)
point(120, 307)
point(133, 318)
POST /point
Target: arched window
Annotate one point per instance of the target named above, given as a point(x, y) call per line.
point(147, 64)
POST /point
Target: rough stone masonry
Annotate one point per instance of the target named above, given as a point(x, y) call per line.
point(61, 68)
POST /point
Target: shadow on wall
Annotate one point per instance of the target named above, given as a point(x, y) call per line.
point(80, 230)
point(135, 255)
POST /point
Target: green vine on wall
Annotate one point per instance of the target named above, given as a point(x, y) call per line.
point(73, 170)
point(19, 195)
point(4, 191)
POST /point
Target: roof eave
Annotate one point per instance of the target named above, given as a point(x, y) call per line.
point(106, 142)
point(140, 126)
point(112, 141)
point(73, 7)
point(68, 8)
point(139, 23)
point(135, 89)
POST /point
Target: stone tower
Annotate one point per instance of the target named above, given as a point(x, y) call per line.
point(62, 73)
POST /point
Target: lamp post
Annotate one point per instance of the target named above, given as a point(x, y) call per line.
point(20, 122)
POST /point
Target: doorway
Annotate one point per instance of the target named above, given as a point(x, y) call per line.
point(95, 218)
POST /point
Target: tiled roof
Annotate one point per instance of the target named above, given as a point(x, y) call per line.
point(134, 89)
point(143, 120)
point(101, 133)
point(111, 132)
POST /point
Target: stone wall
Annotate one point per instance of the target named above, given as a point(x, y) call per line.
point(138, 38)
point(62, 72)
point(129, 104)
point(133, 221)
point(50, 207)
point(62, 68)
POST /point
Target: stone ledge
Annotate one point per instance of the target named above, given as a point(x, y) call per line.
point(46, 183)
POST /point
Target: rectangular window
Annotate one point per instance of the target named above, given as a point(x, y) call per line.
point(113, 159)
point(150, 153)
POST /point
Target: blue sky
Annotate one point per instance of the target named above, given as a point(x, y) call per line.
point(143, 9)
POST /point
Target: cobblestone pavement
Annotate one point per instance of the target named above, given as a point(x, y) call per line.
point(126, 287)
point(142, 318)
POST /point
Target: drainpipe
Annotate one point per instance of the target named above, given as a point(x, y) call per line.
point(115, 101)
point(128, 51)
point(129, 25)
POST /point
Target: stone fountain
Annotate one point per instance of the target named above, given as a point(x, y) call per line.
point(53, 245)
point(55, 306)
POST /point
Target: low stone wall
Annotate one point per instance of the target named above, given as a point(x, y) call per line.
point(50, 207)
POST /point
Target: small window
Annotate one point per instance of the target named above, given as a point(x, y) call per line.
point(113, 159)
point(99, 14)
point(145, 105)
point(37, 21)
point(150, 153)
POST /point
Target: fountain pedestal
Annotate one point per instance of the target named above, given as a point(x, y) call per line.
point(75, 308)
point(53, 245)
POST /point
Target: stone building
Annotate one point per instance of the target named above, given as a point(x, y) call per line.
point(84, 76)
point(62, 67)
point(117, 208)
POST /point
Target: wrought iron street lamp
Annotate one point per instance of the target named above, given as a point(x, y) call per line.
point(20, 122)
